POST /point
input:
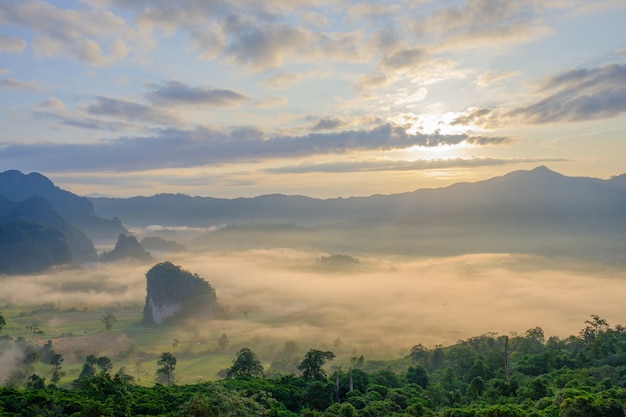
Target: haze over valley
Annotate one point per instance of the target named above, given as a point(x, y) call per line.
point(313, 208)
point(531, 248)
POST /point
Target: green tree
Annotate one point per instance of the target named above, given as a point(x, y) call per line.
point(419, 354)
point(347, 410)
point(167, 365)
point(57, 374)
point(91, 367)
point(105, 365)
point(417, 375)
point(109, 320)
point(2, 322)
point(34, 330)
point(246, 364)
point(311, 365)
point(36, 382)
point(223, 342)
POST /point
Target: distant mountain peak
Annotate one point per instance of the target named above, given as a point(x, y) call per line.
point(542, 169)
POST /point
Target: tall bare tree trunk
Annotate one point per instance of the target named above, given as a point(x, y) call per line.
point(506, 358)
point(351, 383)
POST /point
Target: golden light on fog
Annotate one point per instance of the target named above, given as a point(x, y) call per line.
point(381, 308)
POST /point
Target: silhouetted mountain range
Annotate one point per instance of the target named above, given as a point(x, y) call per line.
point(27, 248)
point(539, 192)
point(16, 186)
point(36, 210)
point(127, 247)
point(538, 211)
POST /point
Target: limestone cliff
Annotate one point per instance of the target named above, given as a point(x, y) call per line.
point(127, 247)
point(173, 294)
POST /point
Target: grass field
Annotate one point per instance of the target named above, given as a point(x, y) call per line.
point(76, 333)
point(130, 344)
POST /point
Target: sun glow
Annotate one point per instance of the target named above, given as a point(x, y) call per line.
point(429, 124)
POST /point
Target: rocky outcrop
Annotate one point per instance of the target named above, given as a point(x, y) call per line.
point(127, 247)
point(174, 294)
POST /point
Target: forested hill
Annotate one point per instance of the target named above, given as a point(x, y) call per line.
point(16, 186)
point(579, 376)
point(536, 194)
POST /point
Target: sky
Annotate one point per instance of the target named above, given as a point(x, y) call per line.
point(241, 98)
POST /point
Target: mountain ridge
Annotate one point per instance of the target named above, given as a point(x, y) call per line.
point(17, 186)
point(516, 192)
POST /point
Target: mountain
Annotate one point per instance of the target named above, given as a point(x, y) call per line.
point(16, 186)
point(174, 294)
point(539, 192)
point(527, 211)
point(36, 210)
point(127, 247)
point(27, 248)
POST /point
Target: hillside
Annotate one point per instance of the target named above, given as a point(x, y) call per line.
point(536, 193)
point(36, 210)
point(16, 186)
point(27, 248)
point(174, 294)
point(537, 211)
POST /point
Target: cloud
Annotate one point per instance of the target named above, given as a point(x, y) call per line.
point(177, 93)
point(266, 46)
point(13, 84)
point(270, 103)
point(51, 103)
point(281, 80)
point(576, 95)
point(314, 18)
point(359, 11)
point(404, 59)
point(130, 111)
point(86, 50)
point(400, 165)
point(491, 77)
point(203, 146)
point(329, 123)
point(11, 44)
point(372, 81)
point(78, 33)
point(464, 24)
point(348, 47)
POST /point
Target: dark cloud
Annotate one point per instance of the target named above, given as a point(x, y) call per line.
point(404, 59)
point(177, 148)
point(48, 110)
point(576, 95)
point(395, 165)
point(264, 46)
point(476, 116)
point(372, 81)
point(175, 92)
point(329, 123)
point(129, 111)
point(81, 34)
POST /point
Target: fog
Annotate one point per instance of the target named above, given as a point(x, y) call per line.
point(382, 306)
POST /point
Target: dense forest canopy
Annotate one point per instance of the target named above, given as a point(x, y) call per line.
point(484, 376)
